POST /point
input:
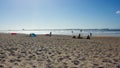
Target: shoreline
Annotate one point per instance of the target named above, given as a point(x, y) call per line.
point(99, 32)
point(62, 35)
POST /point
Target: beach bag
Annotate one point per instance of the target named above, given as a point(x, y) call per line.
point(13, 33)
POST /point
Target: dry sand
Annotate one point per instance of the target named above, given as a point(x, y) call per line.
point(21, 51)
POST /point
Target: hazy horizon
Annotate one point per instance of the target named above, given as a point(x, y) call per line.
point(59, 14)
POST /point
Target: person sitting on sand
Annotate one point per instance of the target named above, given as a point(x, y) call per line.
point(88, 37)
point(79, 36)
point(74, 37)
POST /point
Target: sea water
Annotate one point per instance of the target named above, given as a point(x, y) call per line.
point(83, 32)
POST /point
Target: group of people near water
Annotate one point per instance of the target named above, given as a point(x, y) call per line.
point(80, 37)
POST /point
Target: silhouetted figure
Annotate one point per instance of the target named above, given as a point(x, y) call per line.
point(88, 37)
point(81, 30)
point(90, 34)
point(23, 29)
point(79, 36)
point(74, 37)
point(50, 34)
point(72, 32)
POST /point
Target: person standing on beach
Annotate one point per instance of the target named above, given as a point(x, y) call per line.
point(72, 32)
point(81, 30)
point(90, 34)
point(50, 34)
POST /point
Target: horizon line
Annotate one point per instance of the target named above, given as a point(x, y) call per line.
point(62, 29)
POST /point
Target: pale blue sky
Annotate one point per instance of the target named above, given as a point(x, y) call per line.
point(60, 14)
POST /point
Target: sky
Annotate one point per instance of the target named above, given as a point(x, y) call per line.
point(59, 14)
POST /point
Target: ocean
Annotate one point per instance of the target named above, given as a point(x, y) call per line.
point(83, 32)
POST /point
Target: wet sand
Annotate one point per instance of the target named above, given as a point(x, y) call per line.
point(57, 51)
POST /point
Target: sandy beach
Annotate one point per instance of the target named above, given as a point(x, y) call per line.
point(58, 51)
